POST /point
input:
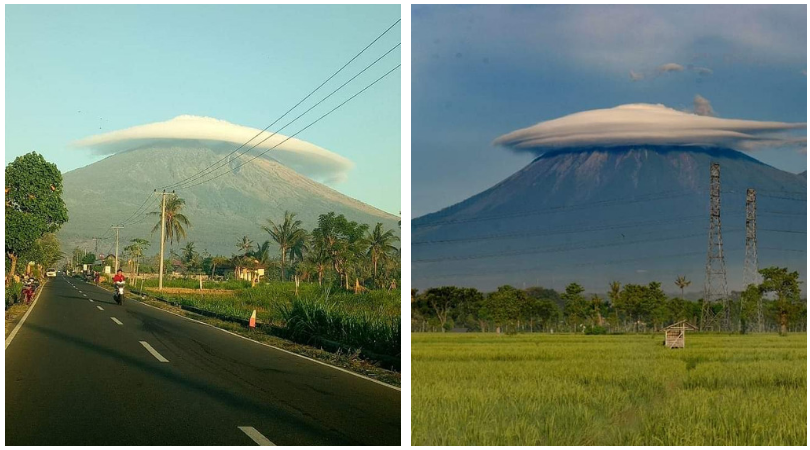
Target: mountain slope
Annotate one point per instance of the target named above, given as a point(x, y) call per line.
point(221, 211)
point(593, 215)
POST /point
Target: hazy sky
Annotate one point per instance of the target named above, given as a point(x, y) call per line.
point(483, 71)
point(123, 66)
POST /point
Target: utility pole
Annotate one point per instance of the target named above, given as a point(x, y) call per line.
point(95, 239)
point(162, 235)
point(751, 267)
point(116, 247)
point(716, 287)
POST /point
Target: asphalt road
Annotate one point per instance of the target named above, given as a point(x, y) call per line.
point(82, 372)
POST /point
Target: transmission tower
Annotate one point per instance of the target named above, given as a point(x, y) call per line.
point(716, 287)
point(751, 268)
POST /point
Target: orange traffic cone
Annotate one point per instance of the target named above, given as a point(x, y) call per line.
point(253, 319)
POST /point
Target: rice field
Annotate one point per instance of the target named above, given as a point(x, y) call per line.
point(552, 389)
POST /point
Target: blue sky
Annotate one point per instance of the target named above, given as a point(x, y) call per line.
point(123, 66)
point(479, 72)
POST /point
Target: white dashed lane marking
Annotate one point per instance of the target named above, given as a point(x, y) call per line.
point(116, 320)
point(256, 436)
point(154, 352)
point(100, 308)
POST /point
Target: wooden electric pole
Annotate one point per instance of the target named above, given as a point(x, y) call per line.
point(162, 236)
point(116, 248)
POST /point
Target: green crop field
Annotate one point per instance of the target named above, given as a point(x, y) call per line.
point(553, 389)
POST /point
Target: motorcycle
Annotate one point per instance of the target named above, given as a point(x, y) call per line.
point(29, 289)
point(118, 294)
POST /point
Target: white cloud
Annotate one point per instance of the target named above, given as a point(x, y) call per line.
point(640, 124)
point(702, 106)
point(303, 157)
point(670, 67)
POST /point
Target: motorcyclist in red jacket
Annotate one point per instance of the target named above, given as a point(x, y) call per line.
point(119, 276)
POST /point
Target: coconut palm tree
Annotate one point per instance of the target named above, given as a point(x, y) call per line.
point(175, 220)
point(287, 234)
point(682, 283)
point(136, 249)
point(262, 253)
point(245, 245)
point(380, 244)
point(597, 308)
point(318, 257)
point(296, 252)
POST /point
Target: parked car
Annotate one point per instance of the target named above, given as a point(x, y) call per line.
point(50, 273)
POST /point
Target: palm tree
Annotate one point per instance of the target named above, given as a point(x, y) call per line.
point(380, 244)
point(136, 249)
point(262, 253)
point(287, 235)
point(175, 220)
point(245, 245)
point(319, 258)
point(597, 308)
point(302, 246)
point(682, 282)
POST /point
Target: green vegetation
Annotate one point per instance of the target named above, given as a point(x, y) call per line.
point(628, 308)
point(544, 389)
point(34, 211)
point(369, 321)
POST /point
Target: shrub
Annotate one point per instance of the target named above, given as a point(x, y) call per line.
point(595, 330)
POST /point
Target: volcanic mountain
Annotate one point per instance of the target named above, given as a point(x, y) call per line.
point(631, 213)
point(221, 211)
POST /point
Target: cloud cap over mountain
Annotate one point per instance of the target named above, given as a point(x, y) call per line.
point(306, 158)
point(652, 125)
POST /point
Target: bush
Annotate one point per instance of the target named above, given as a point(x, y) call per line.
point(595, 330)
point(13, 294)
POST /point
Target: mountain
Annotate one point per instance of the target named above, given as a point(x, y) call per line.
point(634, 214)
point(220, 211)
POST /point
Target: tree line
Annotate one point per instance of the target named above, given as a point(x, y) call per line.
point(622, 308)
point(338, 251)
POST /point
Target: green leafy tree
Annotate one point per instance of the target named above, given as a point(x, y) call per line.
point(443, 300)
point(176, 221)
point(785, 286)
point(34, 204)
point(504, 306)
point(749, 302)
point(287, 234)
point(343, 240)
point(577, 308)
point(380, 245)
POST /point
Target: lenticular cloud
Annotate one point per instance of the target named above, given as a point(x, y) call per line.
point(303, 157)
point(645, 124)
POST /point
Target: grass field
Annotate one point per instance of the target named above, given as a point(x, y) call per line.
point(370, 320)
point(485, 389)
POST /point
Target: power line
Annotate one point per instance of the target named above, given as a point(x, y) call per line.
point(588, 264)
point(294, 106)
point(186, 183)
point(557, 231)
point(137, 211)
point(301, 130)
point(577, 206)
point(561, 248)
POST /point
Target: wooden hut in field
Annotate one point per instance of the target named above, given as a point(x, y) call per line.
point(675, 334)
